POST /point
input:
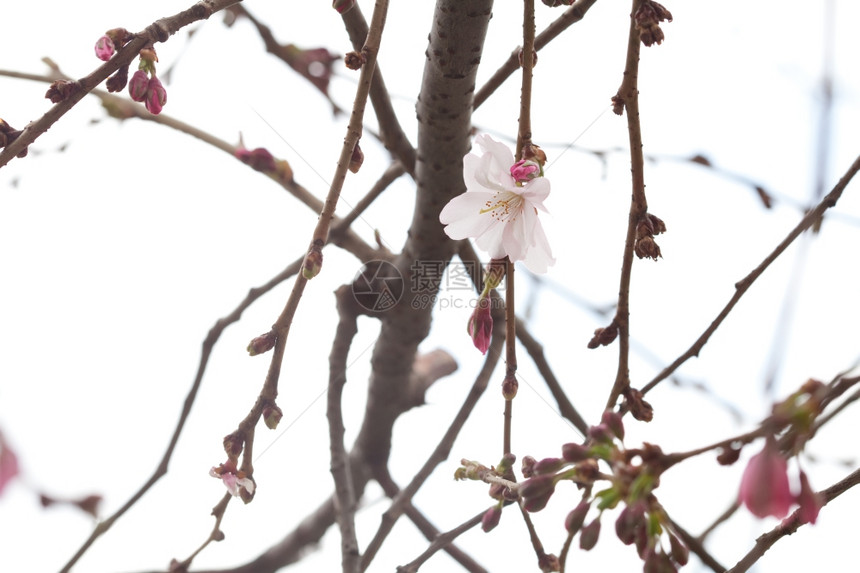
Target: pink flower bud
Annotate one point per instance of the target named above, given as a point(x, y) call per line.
point(258, 159)
point(138, 85)
point(574, 520)
point(105, 48)
point(575, 452)
point(764, 485)
point(491, 518)
point(524, 171)
point(536, 492)
point(480, 325)
point(548, 466)
point(156, 96)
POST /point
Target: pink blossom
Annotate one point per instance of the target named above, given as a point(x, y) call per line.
point(764, 486)
point(234, 480)
point(480, 325)
point(8, 464)
point(105, 48)
point(499, 212)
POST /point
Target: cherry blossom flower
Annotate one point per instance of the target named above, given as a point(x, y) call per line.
point(500, 207)
point(234, 480)
point(764, 485)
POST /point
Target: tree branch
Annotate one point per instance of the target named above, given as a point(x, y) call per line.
point(158, 31)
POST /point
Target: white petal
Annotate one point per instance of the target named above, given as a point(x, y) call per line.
point(539, 256)
point(492, 240)
point(463, 216)
point(536, 191)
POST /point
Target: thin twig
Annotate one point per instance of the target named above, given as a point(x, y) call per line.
point(383, 477)
point(440, 542)
point(742, 286)
point(629, 95)
point(570, 16)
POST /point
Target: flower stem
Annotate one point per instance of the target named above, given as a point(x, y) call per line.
point(527, 58)
point(510, 351)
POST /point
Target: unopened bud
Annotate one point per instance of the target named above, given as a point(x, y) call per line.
point(491, 518)
point(590, 534)
point(233, 444)
point(536, 492)
point(272, 415)
point(548, 465)
point(357, 159)
point(680, 552)
point(60, 90)
point(575, 452)
point(574, 520)
point(510, 387)
point(613, 422)
point(262, 343)
point(118, 81)
point(313, 262)
point(527, 468)
point(639, 408)
point(354, 60)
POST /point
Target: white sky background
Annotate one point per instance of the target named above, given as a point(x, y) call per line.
point(120, 252)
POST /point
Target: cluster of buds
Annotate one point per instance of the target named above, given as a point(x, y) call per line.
point(644, 245)
point(144, 85)
point(260, 159)
point(635, 474)
point(647, 19)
